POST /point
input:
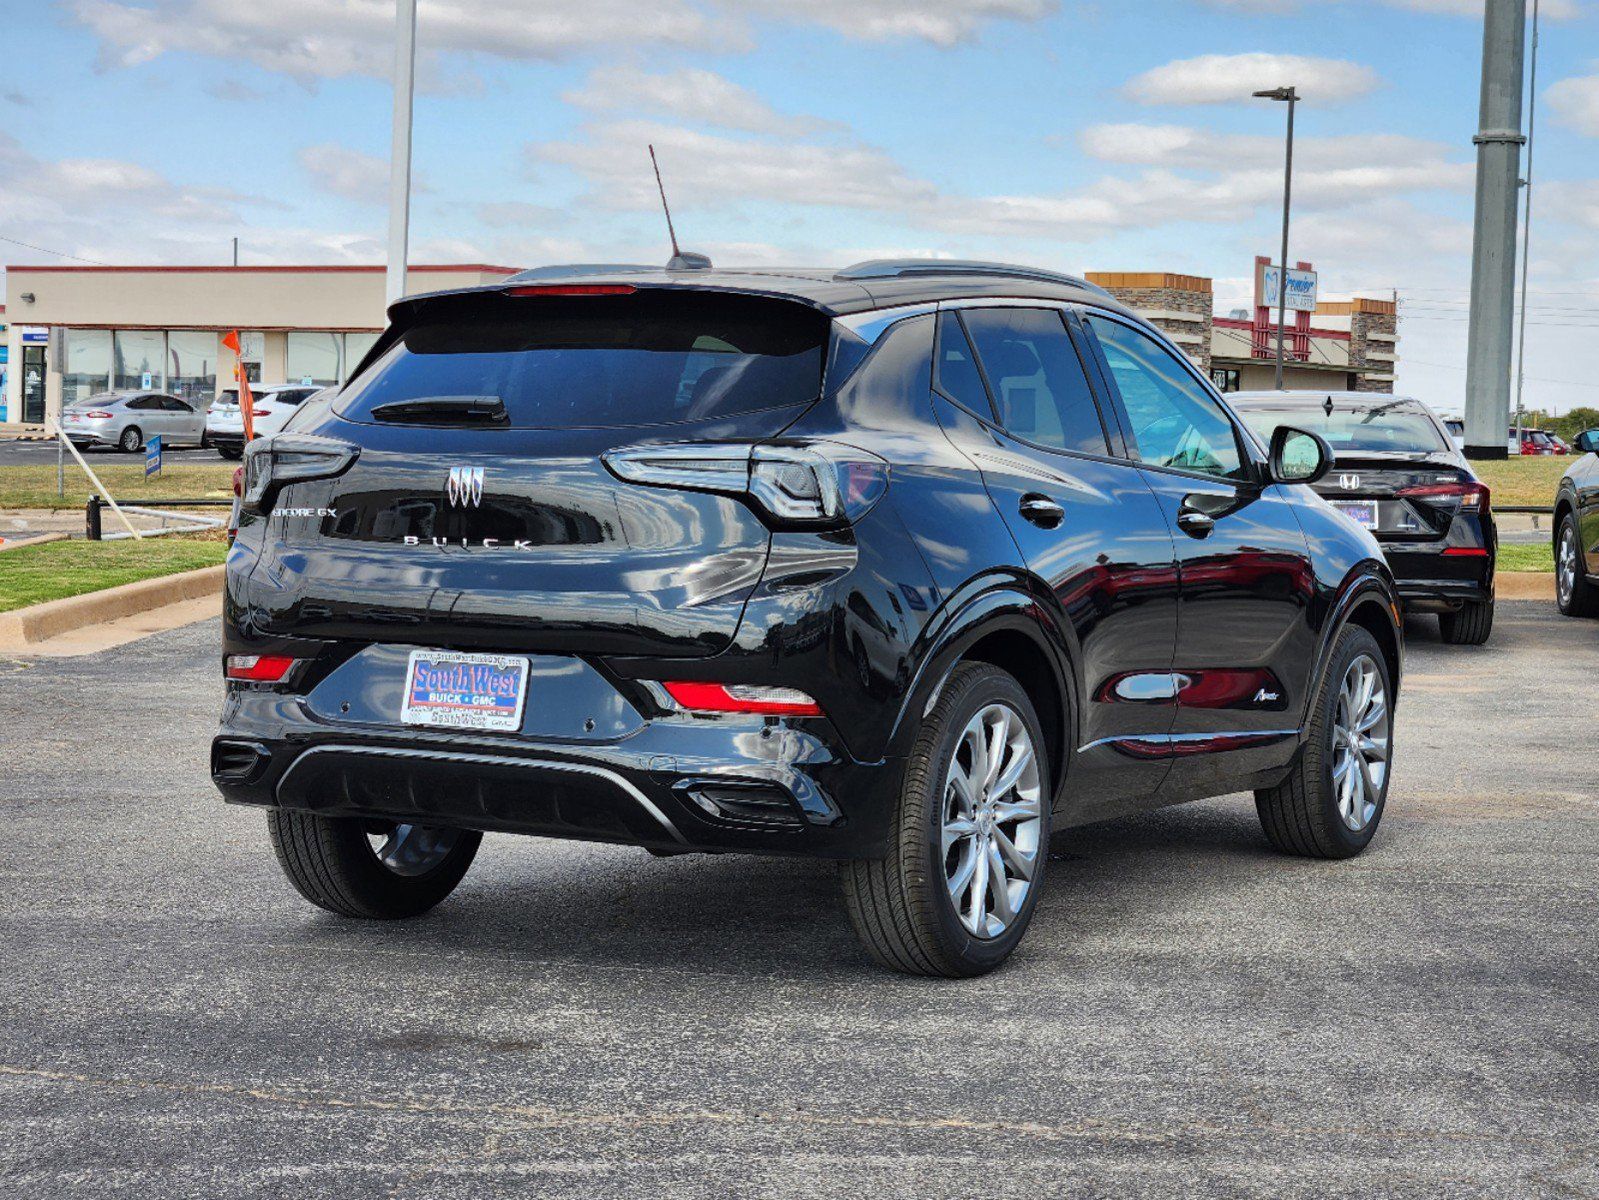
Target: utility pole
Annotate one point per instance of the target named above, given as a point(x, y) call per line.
point(1493, 251)
point(1289, 95)
point(235, 251)
point(400, 149)
point(1526, 224)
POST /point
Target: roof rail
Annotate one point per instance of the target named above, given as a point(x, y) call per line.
point(893, 268)
point(566, 270)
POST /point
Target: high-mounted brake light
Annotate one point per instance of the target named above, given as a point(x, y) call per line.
point(1466, 492)
point(259, 668)
point(573, 289)
point(743, 698)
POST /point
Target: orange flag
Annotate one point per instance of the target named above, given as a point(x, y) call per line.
point(246, 401)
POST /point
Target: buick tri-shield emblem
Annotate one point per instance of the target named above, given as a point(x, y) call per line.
point(464, 489)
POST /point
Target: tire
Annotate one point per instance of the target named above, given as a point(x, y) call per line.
point(1303, 814)
point(1469, 625)
point(332, 862)
point(1574, 595)
point(901, 905)
point(230, 454)
point(131, 440)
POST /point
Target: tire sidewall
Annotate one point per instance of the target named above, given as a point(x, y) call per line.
point(975, 953)
point(1352, 643)
point(1566, 603)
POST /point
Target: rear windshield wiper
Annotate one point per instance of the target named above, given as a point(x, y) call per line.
point(444, 410)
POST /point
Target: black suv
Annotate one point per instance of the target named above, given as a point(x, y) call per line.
point(908, 565)
point(1577, 530)
point(1400, 476)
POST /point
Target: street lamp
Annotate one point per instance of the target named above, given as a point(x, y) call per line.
point(1289, 95)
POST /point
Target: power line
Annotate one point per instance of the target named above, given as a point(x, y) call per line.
point(57, 253)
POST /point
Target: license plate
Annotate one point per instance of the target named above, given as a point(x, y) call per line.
point(447, 690)
point(1363, 514)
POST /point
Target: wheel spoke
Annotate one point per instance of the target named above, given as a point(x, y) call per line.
point(1021, 865)
point(1013, 810)
point(1020, 760)
point(999, 739)
point(977, 912)
point(1376, 712)
point(961, 786)
point(999, 886)
point(962, 878)
point(957, 830)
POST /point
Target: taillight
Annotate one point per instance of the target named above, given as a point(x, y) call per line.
point(1463, 493)
point(96, 416)
point(259, 668)
point(260, 412)
point(799, 484)
point(238, 481)
point(271, 464)
point(742, 698)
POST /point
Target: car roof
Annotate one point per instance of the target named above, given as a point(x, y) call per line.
point(862, 287)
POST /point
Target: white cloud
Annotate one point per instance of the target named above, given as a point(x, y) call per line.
point(347, 173)
point(693, 94)
point(942, 22)
point(1226, 78)
point(1558, 10)
point(1576, 103)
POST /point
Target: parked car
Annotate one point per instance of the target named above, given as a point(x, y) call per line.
point(128, 419)
point(274, 405)
point(909, 565)
point(1577, 530)
point(1399, 475)
point(1455, 427)
point(1535, 441)
point(1561, 445)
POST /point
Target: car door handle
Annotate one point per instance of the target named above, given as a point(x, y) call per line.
point(1042, 511)
point(1195, 523)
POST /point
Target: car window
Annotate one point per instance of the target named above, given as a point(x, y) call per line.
point(144, 403)
point(1175, 423)
point(1037, 381)
point(958, 377)
point(1382, 427)
point(173, 404)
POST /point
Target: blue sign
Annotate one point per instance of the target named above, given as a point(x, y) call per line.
point(152, 456)
point(144, 381)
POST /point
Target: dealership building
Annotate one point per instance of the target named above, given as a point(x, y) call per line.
point(68, 332)
point(74, 331)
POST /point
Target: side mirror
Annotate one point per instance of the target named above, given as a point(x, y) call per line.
point(1586, 442)
point(1298, 456)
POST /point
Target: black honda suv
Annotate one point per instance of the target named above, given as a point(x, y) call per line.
point(910, 565)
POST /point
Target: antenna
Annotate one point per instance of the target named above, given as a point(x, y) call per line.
point(660, 187)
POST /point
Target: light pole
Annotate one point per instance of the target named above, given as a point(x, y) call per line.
point(400, 149)
point(1289, 95)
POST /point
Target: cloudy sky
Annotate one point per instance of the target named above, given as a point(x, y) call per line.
point(1077, 134)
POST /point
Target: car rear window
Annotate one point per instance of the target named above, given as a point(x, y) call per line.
point(650, 358)
point(1399, 431)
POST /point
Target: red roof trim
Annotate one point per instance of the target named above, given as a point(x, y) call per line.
point(1238, 323)
point(481, 268)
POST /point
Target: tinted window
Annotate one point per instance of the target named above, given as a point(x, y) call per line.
point(1175, 422)
point(144, 403)
point(1376, 428)
point(653, 357)
point(1037, 380)
point(958, 377)
point(173, 404)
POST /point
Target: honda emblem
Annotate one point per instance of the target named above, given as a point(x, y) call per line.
point(1350, 483)
point(464, 488)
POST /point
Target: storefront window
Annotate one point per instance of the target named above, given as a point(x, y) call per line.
point(192, 364)
point(140, 359)
point(355, 347)
point(315, 358)
point(88, 366)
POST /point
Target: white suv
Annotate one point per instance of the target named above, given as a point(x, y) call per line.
point(274, 404)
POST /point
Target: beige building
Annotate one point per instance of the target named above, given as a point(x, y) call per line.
point(1345, 345)
point(74, 331)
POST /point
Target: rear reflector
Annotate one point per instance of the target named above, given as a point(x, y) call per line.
point(259, 668)
point(574, 289)
point(1465, 552)
point(743, 698)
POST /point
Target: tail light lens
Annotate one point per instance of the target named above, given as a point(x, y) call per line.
point(742, 698)
point(259, 668)
point(260, 412)
point(1462, 493)
point(271, 464)
point(96, 416)
point(809, 484)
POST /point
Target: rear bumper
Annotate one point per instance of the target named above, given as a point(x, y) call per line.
point(1427, 578)
point(747, 784)
point(222, 440)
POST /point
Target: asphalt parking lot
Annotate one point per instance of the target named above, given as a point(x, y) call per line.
point(14, 452)
point(1190, 1015)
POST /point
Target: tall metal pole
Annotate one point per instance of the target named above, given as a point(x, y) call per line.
point(1526, 223)
point(1493, 251)
point(1288, 197)
point(400, 149)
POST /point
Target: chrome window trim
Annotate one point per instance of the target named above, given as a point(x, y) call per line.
point(871, 325)
point(499, 760)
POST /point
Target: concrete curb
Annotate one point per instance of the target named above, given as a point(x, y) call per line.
point(1524, 585)
point(38, 622)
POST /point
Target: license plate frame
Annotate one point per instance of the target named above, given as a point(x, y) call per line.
point(480, 693)
point(1361, 512)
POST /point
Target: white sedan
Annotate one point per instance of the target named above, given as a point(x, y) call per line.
point(274, 404)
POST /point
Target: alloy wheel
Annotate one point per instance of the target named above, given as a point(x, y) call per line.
point(1360, 743)
point(412, 850)
point(992, 818)
point(1566, 564)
